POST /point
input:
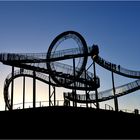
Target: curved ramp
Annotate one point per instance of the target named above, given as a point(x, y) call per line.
point(38, 61)
point(63, 72)
point(80, 84)
point(117, 68)
point(27, 73)
point(107, 94)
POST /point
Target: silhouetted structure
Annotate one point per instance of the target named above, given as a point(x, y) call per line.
point(46, 68)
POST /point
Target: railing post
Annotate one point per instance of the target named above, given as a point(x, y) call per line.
point(105, 106)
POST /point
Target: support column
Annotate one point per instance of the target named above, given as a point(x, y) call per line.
point(74, 91)
point(49, 91)
point(34, 89)
point(12, 88)
point(96, 91)
point(87, 93)
point(54, 96)
point(114, 91)
point(86, 89)
point(23, 92)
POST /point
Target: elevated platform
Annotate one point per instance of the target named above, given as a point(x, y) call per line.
point(68, 122)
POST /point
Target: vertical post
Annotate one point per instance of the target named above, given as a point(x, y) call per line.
point(12, 88)
point(115, 98)
point(54, 96)
point(5, 107)
point(74, 93)
point(86, 89)
point(96, 92)
point(34, 89)
point(23, 92)
point(49, 91)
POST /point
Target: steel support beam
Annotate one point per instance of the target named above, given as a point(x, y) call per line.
point(52, 94)
point(23, 92)
point(74, 91)
point(12, 88)
point(114, 92)
point(86, 89)
point(49, 91)
point(96, 91)
point(34, 89)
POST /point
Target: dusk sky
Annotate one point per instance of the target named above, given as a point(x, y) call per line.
point(30, 27)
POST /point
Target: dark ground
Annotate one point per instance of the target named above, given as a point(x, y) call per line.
point(68, 123)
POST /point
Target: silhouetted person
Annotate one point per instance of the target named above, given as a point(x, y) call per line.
point(21, 70)
point(88, 98)
point(119, 67)
point(94, 51)
point(114, 66)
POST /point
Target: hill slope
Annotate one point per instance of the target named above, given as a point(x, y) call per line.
point(68, 122)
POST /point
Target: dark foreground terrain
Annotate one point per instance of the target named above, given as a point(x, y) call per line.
point(68, 122)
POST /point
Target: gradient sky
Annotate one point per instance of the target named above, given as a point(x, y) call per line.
point(114, 26)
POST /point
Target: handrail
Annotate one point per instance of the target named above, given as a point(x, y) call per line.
point(107, 94)
point(41, 57)
point(117, 68)
point(40, 104)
